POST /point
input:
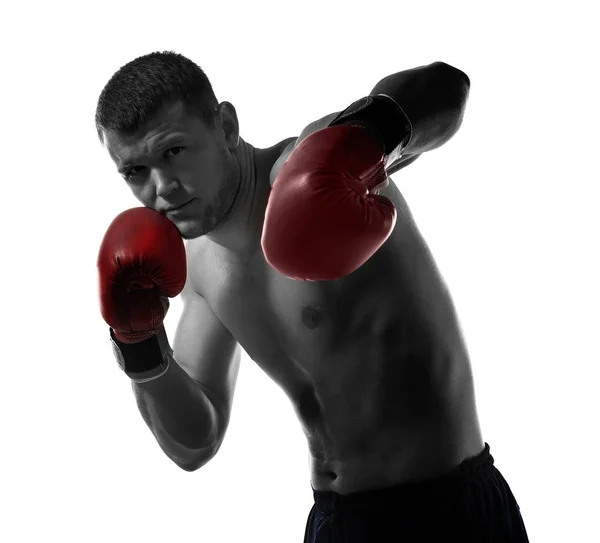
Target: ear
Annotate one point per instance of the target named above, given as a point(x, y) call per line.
point(227, 122)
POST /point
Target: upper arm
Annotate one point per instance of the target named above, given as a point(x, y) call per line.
point(207, 352)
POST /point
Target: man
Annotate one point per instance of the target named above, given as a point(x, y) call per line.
point(304, 255)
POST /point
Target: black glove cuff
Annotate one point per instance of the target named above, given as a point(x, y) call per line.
point(142, 361)
point(384, 116)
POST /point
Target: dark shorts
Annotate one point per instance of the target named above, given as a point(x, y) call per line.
point(471, 504)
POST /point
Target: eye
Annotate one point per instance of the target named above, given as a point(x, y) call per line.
point(132, 172)
point(174, 151)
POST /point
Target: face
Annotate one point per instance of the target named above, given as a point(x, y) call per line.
point(181, 167)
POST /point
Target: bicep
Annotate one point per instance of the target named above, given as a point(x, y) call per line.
point(207, 352)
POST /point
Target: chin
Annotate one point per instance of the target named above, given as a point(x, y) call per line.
point(202, 223)
point(192, 233)
point(189, 229)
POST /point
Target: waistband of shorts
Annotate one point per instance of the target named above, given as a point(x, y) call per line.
point(472, 470)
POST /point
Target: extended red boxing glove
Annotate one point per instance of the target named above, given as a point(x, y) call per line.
point(321, 221)
point(141, 258)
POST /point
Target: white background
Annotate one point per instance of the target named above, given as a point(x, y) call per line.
point(508, 206)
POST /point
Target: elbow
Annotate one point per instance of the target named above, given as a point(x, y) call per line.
point(187, 466)
point(457, 87)
point(194, 459)
point(455, 74)
point(461, 77)
point(191, 466)
point(464, 80)
point(193, 462)
point(189, 459)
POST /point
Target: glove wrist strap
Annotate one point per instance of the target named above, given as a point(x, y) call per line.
point(382, 114)
point(143, 361)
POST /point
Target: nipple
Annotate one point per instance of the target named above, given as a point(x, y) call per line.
point(312, 316)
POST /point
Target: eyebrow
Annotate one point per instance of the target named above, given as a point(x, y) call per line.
point(166, 142)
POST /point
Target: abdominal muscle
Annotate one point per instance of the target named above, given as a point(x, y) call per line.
point(376, 440)
point(384, 400)
point(373, 363)
point(395, 457)
point(381, 401)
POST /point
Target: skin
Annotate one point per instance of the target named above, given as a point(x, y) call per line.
point(374, 363)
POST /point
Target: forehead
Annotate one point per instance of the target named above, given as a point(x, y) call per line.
point(171, 121)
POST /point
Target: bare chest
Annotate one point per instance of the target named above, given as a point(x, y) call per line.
point(287, 327)
point(352, 342)
point(373, 363)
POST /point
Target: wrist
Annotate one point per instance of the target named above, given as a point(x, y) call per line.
point(143, 361)
point(384, 117)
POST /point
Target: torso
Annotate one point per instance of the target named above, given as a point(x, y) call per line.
point(373, 363)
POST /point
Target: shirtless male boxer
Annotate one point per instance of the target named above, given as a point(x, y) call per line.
point(304, 255)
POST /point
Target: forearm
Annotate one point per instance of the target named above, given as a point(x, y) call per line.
point(433, 97)
point(180, 415)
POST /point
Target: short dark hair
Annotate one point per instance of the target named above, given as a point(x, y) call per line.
point(142, 87)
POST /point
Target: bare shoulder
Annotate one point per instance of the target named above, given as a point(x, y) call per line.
point(194, 249)
point(288, 145)
point(319, 124)
point(198, 254)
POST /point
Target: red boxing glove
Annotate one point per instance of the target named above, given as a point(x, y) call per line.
point(142, 257)
point(321, 222)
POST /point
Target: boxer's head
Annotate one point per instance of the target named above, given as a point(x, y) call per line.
point(171, 140)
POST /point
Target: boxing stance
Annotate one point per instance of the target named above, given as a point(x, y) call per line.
point(306, 256)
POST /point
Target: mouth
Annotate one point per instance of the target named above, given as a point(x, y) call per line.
point(179, 208)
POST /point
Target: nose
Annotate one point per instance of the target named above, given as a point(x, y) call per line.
point(164, 182)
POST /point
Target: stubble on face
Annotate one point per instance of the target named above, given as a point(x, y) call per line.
point(216, 213)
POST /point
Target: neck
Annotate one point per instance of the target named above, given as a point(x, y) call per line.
point(240, 231)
